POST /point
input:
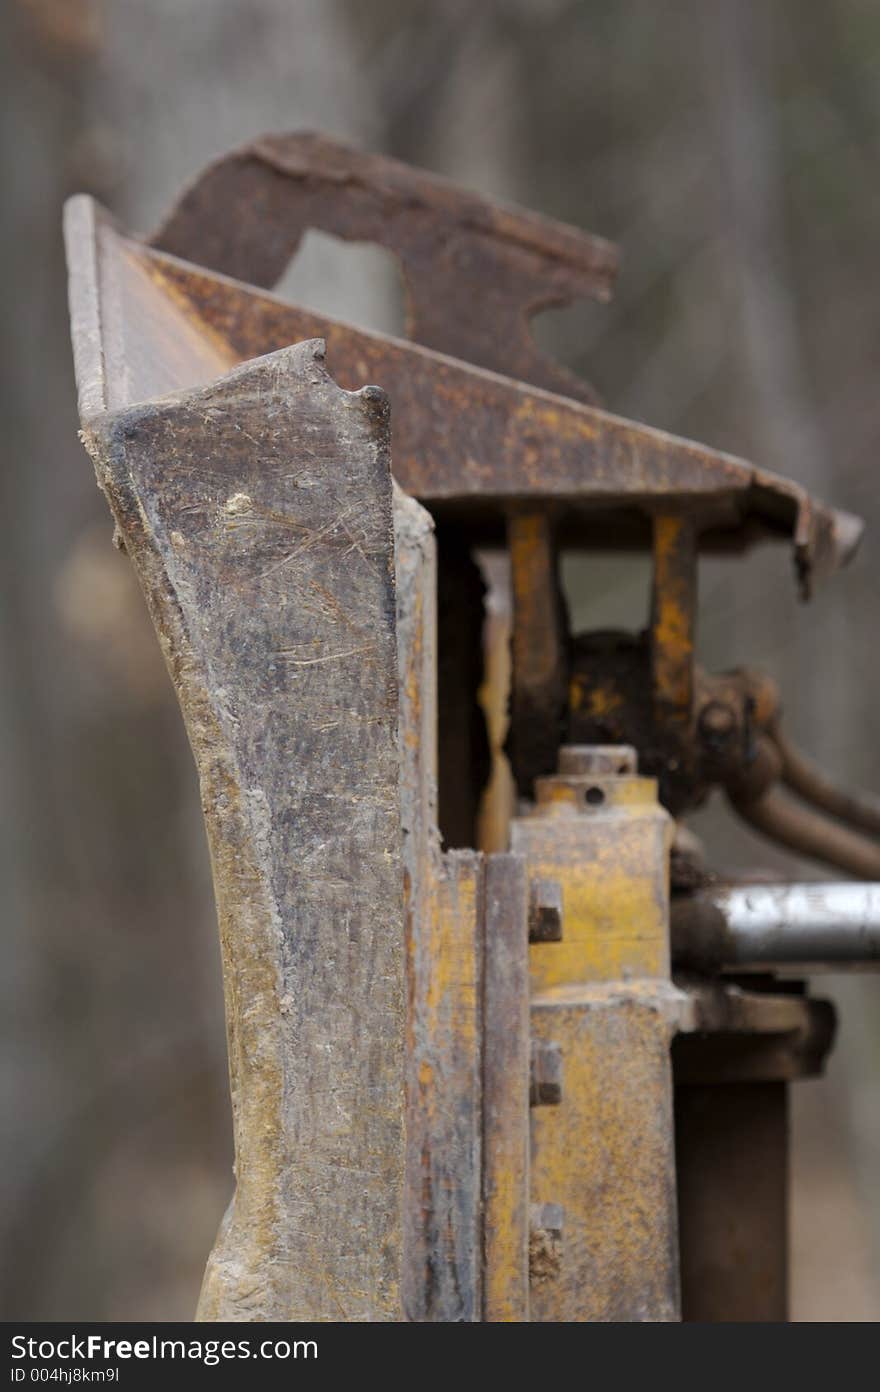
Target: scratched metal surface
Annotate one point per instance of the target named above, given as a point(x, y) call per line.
point(257, 513)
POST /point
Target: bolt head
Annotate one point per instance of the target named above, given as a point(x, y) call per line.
point(545, 911)
point(545, 1084)
point(717, 722)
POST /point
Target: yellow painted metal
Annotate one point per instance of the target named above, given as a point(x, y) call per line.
point(603, 995)
point(610, 857)
point(605, 1155)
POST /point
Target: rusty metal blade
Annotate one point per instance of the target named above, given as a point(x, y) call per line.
point(257, 513)
point(462, 435)
point(475, 271)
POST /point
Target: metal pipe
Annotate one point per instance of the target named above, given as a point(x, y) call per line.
point(809, 833)
point(799, 773)
point(757, 927)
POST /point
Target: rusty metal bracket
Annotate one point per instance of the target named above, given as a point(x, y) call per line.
point(475, 272)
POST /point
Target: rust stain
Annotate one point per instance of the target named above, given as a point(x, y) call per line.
point(674, 618)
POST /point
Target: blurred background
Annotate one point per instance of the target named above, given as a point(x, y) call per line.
point(730, 147)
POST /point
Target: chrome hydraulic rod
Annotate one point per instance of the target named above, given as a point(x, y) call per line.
point(757, 927)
